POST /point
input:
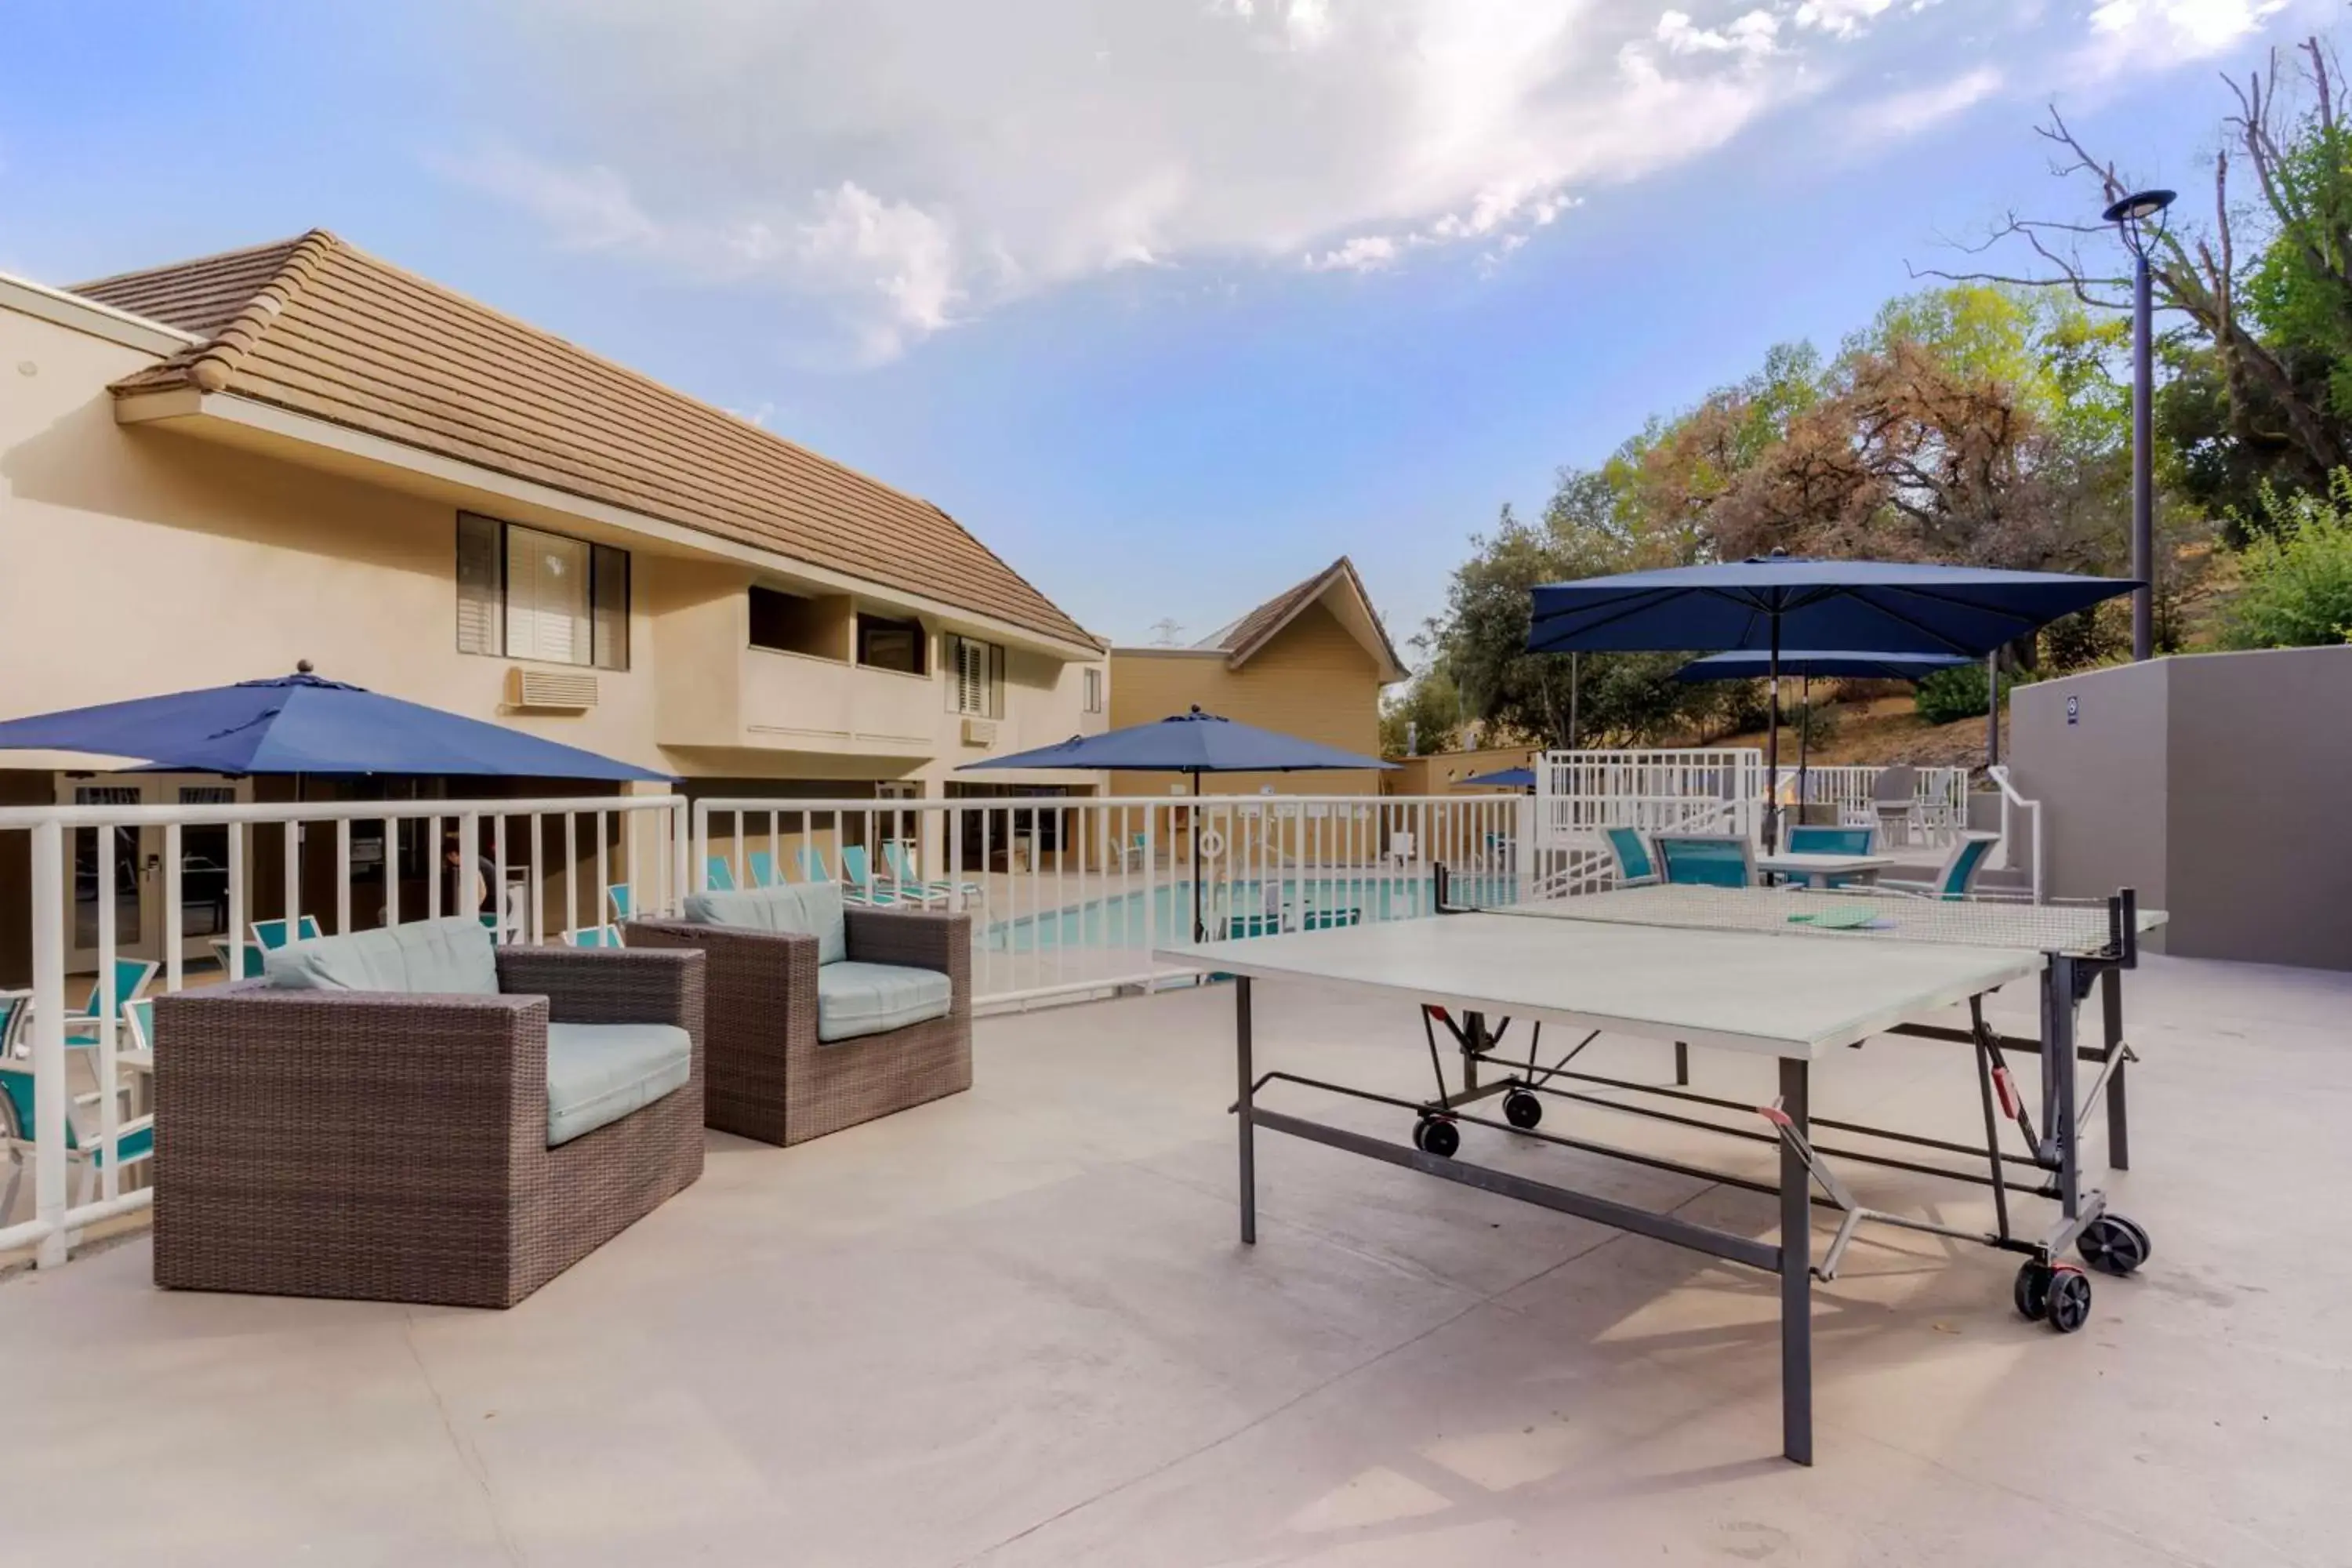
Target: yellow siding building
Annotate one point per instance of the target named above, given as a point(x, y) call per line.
point(1309, 662)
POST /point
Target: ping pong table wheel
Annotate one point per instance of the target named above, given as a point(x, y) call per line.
point(2069, 1305)
point(1433, 1135)
point(1522, 1110)
point(2113, 1244)
point(2031, 1293)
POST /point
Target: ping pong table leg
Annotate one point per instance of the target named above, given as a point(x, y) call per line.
point(2111, 1006)
point(2058, 1074)
point(1682, 1064)
point(1242, 1110)
point(1796, 1271)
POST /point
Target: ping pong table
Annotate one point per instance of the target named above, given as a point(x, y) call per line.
point(1795, 974)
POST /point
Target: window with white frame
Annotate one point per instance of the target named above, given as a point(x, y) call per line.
point(975, 672)
point(524, 593)
point(1094, 689)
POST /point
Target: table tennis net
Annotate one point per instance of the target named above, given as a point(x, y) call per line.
point(1848, 915)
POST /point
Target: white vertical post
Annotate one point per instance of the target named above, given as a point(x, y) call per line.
point(342, 876)
point(291, 878)
point(954, 837)
point(237, 938)
point(572, 873)
point(391, 870)
point(603, 872)
point(174, 914)
point(469, 861)
point(49, 914)
point(538, 877)
point(433, 871)
point(499, 932)
point(109, 1007)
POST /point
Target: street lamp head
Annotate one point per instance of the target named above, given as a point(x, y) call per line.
point(2139, 207)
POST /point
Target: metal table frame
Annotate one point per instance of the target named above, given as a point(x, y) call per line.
point(2066, 980)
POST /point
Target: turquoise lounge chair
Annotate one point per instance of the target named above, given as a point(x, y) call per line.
point(1707, 860)
point(272, 933)
point(859, 884)
point(761, 866)
point(252, 953)
point(596, 936)
point(1636, 866)
point(904, 874)
point(1835, 841)
point(1957, 875)
point(720, 872)
point(131, 978)
point(134, 1136)
point(617, 901)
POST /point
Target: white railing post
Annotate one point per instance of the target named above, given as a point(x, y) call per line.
point(51, 911)
point(174, 912)
point(109, 1007)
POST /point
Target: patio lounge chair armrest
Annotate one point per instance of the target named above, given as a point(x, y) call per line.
point(764, 974)
point(344, 1081)
point(917, 939)
point(608, 984)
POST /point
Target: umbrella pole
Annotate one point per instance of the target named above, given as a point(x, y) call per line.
point(1773, 750)
point(1804, 740)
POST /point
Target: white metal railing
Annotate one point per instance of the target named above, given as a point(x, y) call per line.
point(2014, 808)
point(550, 866)
point(1070, 895)
point(1687, 790)
point(1939, 794)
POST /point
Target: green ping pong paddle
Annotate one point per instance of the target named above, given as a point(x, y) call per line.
point(1838, 917)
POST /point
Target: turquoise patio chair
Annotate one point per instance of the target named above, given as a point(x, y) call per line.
point(812, 864)
point(718, 872)
point(131, 978)
point(1708, 859)
point(1636, 866)
point(1957, 875)
point(857, 880)
point(595, 936)
point(135, 1135)
point(1835, 841)
point(252, 952)
point(272, 933)
point(617, 901)
point(760, 865)
point(906, 873)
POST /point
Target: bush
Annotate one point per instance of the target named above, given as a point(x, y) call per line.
point(1957, 693)
point(2297, 572)
point(1813, 724)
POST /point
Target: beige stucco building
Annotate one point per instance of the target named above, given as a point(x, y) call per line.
point(1308, 662)
point(211, 471)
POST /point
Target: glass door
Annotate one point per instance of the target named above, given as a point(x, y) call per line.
point(138, 887)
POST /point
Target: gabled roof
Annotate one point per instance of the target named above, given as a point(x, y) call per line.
point(320, 327)
point(1353, 606)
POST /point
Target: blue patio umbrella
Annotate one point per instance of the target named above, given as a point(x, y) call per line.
point(1810, 662)
point(1192, 742)
point(1767, 603)
point(301, 723)
point(1507, 778)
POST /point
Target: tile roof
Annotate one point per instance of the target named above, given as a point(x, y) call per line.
point(317, 327)
point(1246, 635)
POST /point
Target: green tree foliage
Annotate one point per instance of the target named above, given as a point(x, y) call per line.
point(1425, 716)
point(1950, 695)
point(2297, 571)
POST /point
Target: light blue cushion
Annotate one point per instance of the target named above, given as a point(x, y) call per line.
point(598, 1073)
point(804, 908)
point(451, 957)
point(854, 999)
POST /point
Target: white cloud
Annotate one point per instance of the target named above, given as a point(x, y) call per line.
point(910, 165)
point(1841, 19)
point(1903, 113)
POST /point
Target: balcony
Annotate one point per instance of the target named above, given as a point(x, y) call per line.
point(792, 701)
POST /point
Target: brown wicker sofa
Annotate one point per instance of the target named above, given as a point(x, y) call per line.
point(772, 1077)
point(371, 1145)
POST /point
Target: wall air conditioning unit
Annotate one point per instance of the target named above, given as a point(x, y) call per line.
point(550, 690)
point(980, 731)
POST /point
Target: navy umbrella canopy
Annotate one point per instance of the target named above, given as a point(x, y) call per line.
point(301, 723)
point(1876, 607)
point(1507, 778)
point(1192, 742)
point(1777, 601)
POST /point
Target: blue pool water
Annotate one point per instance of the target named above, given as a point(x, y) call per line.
point(1119, 921)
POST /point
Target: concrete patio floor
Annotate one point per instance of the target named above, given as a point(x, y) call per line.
point(1015, 1327)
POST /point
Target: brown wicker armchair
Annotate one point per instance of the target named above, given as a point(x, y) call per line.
point(770, 1076)
point(375, 1145)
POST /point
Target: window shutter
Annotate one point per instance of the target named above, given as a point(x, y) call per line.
point(611, 597)
point(480, 585)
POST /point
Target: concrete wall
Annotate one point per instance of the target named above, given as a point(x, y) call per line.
point(142, 560)
point(1314, 680)
point(2217, 784)
point(1439, 772)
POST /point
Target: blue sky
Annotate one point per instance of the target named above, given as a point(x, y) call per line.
point(1170, 300)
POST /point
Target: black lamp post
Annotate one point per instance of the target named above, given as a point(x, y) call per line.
point(2133, 217)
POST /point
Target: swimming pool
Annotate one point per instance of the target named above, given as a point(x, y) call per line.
point(1121, 921)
